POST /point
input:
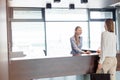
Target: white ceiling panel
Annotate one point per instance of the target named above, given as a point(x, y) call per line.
point(62, 4)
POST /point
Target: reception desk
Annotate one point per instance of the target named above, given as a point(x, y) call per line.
point(54, 67)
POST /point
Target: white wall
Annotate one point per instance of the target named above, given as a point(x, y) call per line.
point(3, 42)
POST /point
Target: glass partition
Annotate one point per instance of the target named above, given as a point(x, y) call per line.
point(58, 37)
point(43, 33)
point(96, 28)
point(28, 38)
point(20, 13)
point(66, 15)
point(100, 15)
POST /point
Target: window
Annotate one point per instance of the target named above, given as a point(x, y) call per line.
point(60, 25)
point(25, 13)
point(96, 28)
point(38, 32)
point(28, 32)
point(28, 37)
point(58, 37)
point(97, 18)
point(66, 15)
point(100, 15)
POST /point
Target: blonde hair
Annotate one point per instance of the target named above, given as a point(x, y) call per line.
point(110, 25)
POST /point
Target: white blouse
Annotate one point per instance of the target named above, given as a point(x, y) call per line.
point(108, 45)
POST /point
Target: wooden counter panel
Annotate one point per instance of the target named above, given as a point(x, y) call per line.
point(54, 67)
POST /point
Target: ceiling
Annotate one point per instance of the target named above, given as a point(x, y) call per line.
point(63, 3)
point(116, 4)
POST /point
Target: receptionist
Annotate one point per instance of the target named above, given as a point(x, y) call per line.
point(76, 43)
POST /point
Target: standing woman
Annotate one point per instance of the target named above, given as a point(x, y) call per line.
point(108, 61)
point(76, 42)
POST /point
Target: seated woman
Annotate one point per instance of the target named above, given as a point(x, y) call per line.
point(76, 42)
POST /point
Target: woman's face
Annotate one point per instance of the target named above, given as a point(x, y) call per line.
point(78, 31)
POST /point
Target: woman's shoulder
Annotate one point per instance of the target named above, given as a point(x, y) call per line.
point(106, 33)
point(72, 38)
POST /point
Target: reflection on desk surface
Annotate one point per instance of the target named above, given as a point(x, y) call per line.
point(89, 54)
point(28, 58)
point(91, 50)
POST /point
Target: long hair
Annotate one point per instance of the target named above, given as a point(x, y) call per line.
point(110, 25)
point(77, 39)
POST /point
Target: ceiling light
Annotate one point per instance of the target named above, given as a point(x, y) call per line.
point(56, 0)
point(71, 6)
point(48, 5)
point(84, 1)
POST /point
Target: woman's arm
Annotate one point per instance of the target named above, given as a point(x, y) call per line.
point(102, 57)
point(74, 46)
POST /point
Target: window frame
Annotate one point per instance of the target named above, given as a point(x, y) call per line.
point(25, 9)
point(113, 10)
point(10, 19)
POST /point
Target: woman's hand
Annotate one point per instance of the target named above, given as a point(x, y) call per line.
point(98, 51)
point(99, 66)
point(88, 52)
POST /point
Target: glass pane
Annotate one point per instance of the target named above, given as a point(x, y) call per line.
point(66, 14)
point(96, 28)
point(100, 15)
point(58, 37)
point(27, 14)
point(95, 34)
point(28, 38)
